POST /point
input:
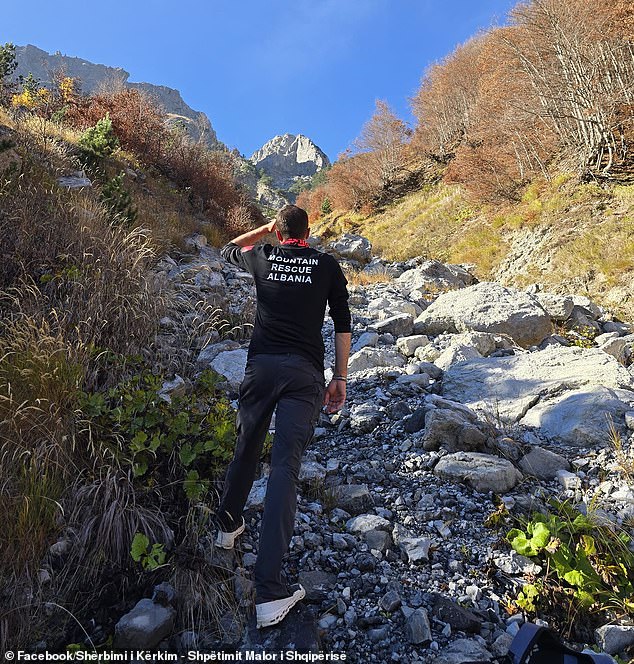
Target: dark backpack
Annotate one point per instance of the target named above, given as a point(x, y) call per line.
point(539, 645)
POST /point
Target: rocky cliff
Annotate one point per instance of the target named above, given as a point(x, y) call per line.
point(288, 158)
point(43, 66)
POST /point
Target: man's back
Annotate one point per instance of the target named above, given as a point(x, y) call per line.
point(293, 285)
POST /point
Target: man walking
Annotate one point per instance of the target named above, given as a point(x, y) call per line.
point(285, 369)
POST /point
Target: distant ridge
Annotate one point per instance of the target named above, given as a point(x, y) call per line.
point(43, 65)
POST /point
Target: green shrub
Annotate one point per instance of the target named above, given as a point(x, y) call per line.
point(588, 562)
point(196, 431)
point(326, 206)
point(150, 557)
point(100, 140)
point(118, 200)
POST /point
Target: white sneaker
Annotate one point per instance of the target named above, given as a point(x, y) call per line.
point(227, 540)
point(270, 613)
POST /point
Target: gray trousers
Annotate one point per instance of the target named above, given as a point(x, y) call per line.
point(293, 384)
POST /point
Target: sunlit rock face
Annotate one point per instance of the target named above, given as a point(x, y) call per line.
point(288, 157)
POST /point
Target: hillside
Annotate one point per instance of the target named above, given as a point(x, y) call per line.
point(91, 77)
point(568, 236)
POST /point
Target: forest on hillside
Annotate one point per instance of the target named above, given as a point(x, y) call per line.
point(550, 91)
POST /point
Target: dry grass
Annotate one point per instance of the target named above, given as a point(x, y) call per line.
point(362, 278)
point(106, 514)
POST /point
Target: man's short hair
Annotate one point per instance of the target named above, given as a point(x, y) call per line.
point(292, 222)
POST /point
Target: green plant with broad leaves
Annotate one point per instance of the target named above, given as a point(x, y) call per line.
point(150, 557)
point(196, 430)
point(586, 559)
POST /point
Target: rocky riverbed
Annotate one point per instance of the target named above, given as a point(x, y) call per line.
point(464, 399)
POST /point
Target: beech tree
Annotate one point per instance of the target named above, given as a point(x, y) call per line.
point(383, 138)
point(444, 102)
point(580, 64)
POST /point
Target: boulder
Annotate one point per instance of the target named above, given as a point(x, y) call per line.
point(582, 417)
point(507, 388)
point(458, 617)
point(487, 307)
point(383, 308)
point(558, 307)
point(434, 276)
point(543, 464)
point(400, 325)
point(452, 430)
point(408, 345)
point(620, 348)
point(370, 358)
point(366, 339)
point(312, 473)
point(353, 247)
point(210, 352)
point(231, 364)
point(77, 180)
point(482, 472)
point(614, 639)
point(363, 523)
point(365, 417)
point(353, 498)
point(145, 626)
point(463, 650)
point(416, 549)
point(454, 354)
point(417, 629)
point(317, 584)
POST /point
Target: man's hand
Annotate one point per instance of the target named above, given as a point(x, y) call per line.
point(271, 226)
point(335, 396)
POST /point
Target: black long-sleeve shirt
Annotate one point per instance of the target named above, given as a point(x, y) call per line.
point(293, 285)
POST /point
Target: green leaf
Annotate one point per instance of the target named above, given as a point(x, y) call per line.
point(139, 438)
point(585, 598)
point(193, 487)
point(581, 524)
point(186, 454)
point(588, 545)
point(140, 466)
point(530, 547)
point(140, 544)
point(541, 536)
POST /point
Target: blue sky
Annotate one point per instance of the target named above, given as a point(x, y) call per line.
point(259, 68)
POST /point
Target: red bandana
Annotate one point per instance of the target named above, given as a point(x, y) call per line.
point(295, 242)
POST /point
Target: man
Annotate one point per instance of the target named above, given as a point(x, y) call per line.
point(285, 369)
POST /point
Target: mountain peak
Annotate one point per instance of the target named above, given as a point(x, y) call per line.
point(287, 157)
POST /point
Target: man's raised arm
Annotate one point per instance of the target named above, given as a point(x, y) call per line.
point(232, 250)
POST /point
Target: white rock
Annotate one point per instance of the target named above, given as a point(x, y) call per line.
point(369, 358)
point(454, 354)
point(434, 276)
point(568, 480)
point(408, 345)
point(353, 247)
point(509, 388)
point(581, 417)
point(257, 494)
point(543, 464)
point(363, 523)
point(366, 339)
point(487, 307)
point(231, 364)
point(558, 307)
point(482, 472)
point(400, 325)
point(615, 638)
